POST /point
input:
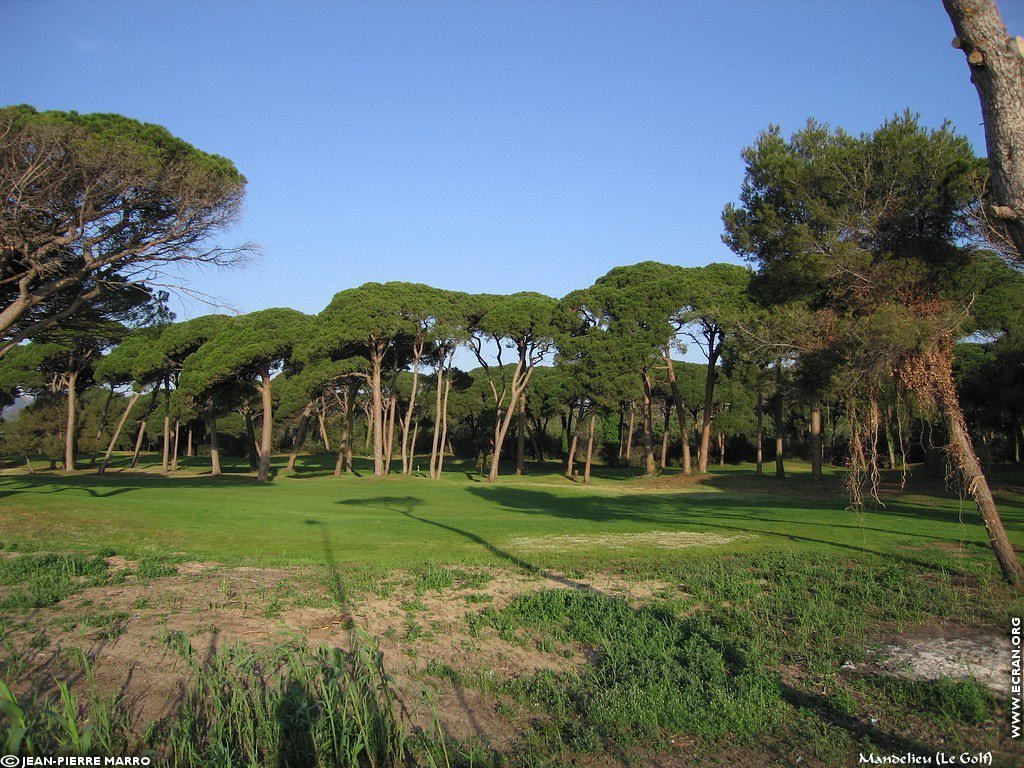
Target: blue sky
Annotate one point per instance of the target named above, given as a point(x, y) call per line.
point(482, 146)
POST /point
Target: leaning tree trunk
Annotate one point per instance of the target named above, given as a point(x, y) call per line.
point(175, 451)
point(997, 71)
point(521, 438)
point(629, 431)
point(664, 435)
point(407, 421)
point(570, 468)
point(69, 437)
point(444, 427)
point(117, 432)
point(300, 434)
point(267, 437)
point(815, 435)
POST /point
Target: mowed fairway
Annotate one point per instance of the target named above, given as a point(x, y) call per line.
point(540, 520)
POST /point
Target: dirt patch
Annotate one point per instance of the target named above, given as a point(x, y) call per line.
point(190, 569)
point(656, 539)
point(986, 658)
point(116, 564)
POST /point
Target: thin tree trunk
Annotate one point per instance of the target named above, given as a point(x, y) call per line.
point(590, 448)
point(389, 441)
point(174, 453)
point(521, 437)
point(721, 449)
point(322, 422)
point(266, 442)
point(435, 442)
point(105, 413)
point(350, 424)
point(300, 434)
point(622, 429)
point(444, 428)
point(117, 431)
point(378, 412)
point(760, 433)
point(570, 469)
point(189, 447)
point(520, 379)
point(648, 427)
point(709, 404)
point(211, 428)
point(28, 463)
point(815, 435)
point(406, 460)
point(412, 446)
point(780, 468)
point(680, 406)
point(250, 435)
point(664, 435)
point(69, 437)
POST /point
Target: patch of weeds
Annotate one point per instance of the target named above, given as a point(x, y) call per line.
point(434, 580)
point(155, 567)
point(478, 598)
point(439, 669)
point(141, 603)
point(414, 631)
point(48, 579)
point(413, 606)
point(273, 606)
point(471, 579)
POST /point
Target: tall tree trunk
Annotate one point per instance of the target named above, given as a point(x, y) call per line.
point(521, 437)
point(435, 442)
point(300, 434)
point(680, 406)
point(570, 461)
point(406, 458)
point(780, 468)
point(69, 437)
point(211, 428)
point(389, 442)
point(590, 448)
point(250, 436)
point(518, 384)
point(622, 429)
point(322, 422)
point(760, 433)
point(117, 431)
point(721, 449)
point(377, 409)
point(142, 426)
point(816, 438)
point(105, 412)
point(267, 438)
point(174, 452)
point(648, 427)
point(664, 435)
point(189, 447)
point(166, 447)
point(709, 404)
point(994, 58)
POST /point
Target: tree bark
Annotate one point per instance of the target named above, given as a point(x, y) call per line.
point(250, 436)
point(815, 440)
point(677, 400)
point(997, 71)
point(721, 449)
point(377, 409)
point(189, 447)
point(521, 437)
point(709, 404)
point(444, 428)
point(174, 452)
point(211, 427)
point(629, 432)
point(780, 468)
point(142, 426)
point(570, 469)
point(69, 437)
point(322, 422)
point(435, 442)
point(266, 441)
point(664, 435)
point(590, 448)
point(300, 434)
point(648, 427)
point(117, 432)
point(406, 458)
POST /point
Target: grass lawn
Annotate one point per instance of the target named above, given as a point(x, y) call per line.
point(727, 620)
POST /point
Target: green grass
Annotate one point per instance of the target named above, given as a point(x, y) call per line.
point(311, 517)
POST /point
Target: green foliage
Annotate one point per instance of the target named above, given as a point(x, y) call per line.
point(41, 580)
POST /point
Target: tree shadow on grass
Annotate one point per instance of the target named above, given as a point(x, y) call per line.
point(406, 506)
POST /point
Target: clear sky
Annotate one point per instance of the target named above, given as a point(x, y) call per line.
point(489, 145)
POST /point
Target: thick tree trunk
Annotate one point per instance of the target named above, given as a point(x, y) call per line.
point(211, 428)
point(760, 433)
point(590, 448)
point(300, 435)
point(117, 431)
point(815, 435)
point(648, 427)
point(780, 468)
point(680, 406)
point(189, 447)
point(997, 71)
point(267, 438)
point(709, 404)
point(69, 437)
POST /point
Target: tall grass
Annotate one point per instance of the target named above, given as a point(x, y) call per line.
point(286, 707)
